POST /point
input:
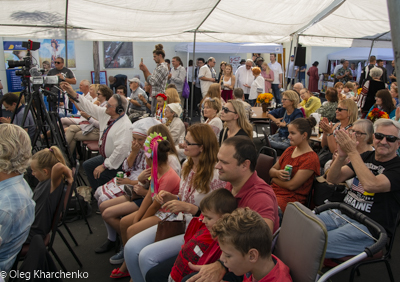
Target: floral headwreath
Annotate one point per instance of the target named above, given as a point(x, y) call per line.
point(150, 151)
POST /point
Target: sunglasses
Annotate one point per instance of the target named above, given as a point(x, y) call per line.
point(341, 109)
point(58, 63)
point(191, 144)
point(226, 110)
point(389, 138)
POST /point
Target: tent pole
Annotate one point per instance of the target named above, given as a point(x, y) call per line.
point(370, 50)
point(66, 33)
point(193, 76)
point(394, 9)
point(295, 53)
point(290, 54)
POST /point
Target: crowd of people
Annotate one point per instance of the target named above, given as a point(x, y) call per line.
point(205, 173)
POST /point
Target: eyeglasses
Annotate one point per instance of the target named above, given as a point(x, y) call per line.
point(109, 106)
point(226, 110)
point(358, 133)
point(389, 138)
point(341, 109)
point(98, 93)
point(191, 144)
point(58, 63)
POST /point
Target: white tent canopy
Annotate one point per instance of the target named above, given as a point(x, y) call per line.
point(361, 54)
point(232, 48)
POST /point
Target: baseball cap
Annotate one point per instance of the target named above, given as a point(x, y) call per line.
point(135, 79)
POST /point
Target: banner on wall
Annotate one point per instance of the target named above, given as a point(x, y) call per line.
point(103, 77)
point(118, 54)
point(13, 51)
point(51, 49)
point(235, 62)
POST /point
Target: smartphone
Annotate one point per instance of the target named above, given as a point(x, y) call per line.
point(141, 60)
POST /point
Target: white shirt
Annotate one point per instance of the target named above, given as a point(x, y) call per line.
point(178, 77)
point(206, 71)
point(289, 72)
point(189, 74)
point(257, 87)
point(338, 67)
point(277, 69)
point(244, 76)
point(119, 138)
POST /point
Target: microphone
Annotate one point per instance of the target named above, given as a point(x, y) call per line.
point(65, 93)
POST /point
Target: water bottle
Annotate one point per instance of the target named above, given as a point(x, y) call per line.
point(273, 103)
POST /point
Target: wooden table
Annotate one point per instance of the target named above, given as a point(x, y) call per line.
point(316, 138)
point(258, 114)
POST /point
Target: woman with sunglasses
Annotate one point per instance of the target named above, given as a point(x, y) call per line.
point(198, 178)
point(211, 109)
point(282, 117)
point(234, 116)
point(346, 114)
point(213, 92)
point(384, 102)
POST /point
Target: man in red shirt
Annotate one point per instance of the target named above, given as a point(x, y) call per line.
point(237, 161)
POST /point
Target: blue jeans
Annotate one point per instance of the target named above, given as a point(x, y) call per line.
point(277, 142)
point(276, 92)
point(105, 176)
point(252, 102)
point(141, 253)
point(343, 238)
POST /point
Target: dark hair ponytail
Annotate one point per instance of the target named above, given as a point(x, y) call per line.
point(305, 125)
point(162, 153)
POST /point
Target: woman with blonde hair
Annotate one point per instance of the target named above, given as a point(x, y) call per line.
point(93, 91)
point(233, 115)
point(268, 76)
point(227, 83)
point(213, 92)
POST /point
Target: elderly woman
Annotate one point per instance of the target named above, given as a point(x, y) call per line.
point(257, 87)
point(328, 108)
point(173, 122)
point(384, 102)
point(211, 109)
point(310, 103)
point(371, 86)
point(282, 117)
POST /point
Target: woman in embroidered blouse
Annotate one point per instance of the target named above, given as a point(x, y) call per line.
point(328, 108)
point(310, 103)
point(268, 76)
point(304, 162)
point(211, 109)
point(199, 177)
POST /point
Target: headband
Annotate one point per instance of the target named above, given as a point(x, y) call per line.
point(162, 96)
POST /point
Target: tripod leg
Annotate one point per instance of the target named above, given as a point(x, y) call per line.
point(83, 212)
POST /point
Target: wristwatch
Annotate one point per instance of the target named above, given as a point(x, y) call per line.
point(329, 134)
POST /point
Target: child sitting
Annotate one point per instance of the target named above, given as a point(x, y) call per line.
point(348, 90)
point(245, 240)
point(161, 103)
point(48, 166)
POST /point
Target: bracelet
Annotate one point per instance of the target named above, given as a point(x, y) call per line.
point(198, 212)
point(178, 198)
point(141, 184)
point(89, 117)
point(329, 134)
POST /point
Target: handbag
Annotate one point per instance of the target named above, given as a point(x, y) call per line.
point(185, 90)
point(323, 190)
point(324, 155)
point(167, 229)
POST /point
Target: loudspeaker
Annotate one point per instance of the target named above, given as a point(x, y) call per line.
point(301, 56)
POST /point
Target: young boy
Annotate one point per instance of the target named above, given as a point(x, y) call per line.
point(245, 240)
point(197, 236)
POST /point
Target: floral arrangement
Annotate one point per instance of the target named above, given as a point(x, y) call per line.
point(376, 114)
point(264, 98)
point(359, 91)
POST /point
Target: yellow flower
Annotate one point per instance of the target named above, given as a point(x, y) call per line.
point(359, 91)
point(264, 98)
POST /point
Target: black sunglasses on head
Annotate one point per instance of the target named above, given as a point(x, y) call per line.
point(226, 110)
point(389, 138)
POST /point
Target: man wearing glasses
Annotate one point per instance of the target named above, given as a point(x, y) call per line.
point(207, 75)
point(63, 73)
point(375, 190)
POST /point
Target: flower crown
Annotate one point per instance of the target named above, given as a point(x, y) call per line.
point(150, 142)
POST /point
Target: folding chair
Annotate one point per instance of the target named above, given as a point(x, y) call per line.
point(269, 152)
point(266, 137)
point(264, 164)
point(301, 243)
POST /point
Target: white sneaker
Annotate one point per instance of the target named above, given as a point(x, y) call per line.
point(118, 258)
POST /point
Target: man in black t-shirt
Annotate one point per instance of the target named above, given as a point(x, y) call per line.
point(375, 190)
point(62, 72)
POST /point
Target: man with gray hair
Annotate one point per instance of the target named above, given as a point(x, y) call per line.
point(84, 88)
point(375, 190)
point(137, 107)
point(244, 78)
point(207, 76)
point(17, 209)
point(115, 137)
point(297, 87)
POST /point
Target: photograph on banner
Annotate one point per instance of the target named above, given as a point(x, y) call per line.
point(103, 77)
point(118, 54)
point(51, 49)
point(235, 62)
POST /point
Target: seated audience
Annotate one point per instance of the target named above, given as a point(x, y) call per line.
point(246, 243)
point(213, 92)
point(373, 192)
point(199, 178)
point(282, 117)
point(328, 108)
point(114, 141)
point(160, 107)
point(339, 88)
point(17, 209)
point(310, 103)
point(197, 236)
point(383, 102)
point(257, 87)
point(49, 167)
point(238, 95)
point(172, 95)
point(121, 90)
point(163, 177)
point(369, 90)
point(211, 109)
point(9, 101)
point(348, 90)
point(234, 117)
point(394, 91)
point(237, 160)
point(295, 186)
point(173, 122)
point(137, 108)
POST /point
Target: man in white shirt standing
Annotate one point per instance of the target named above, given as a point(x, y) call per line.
point(207, 76)
point(115, 138)
point(291, 73)
point(244, 78)
point(177, 76)
point(278, 73)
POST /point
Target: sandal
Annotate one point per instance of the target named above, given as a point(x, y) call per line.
point(116, 273)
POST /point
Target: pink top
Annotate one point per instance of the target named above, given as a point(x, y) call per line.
point(267, 83)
